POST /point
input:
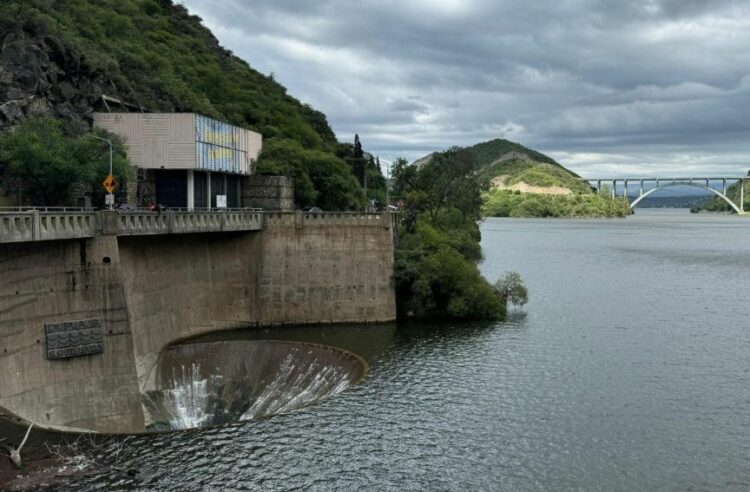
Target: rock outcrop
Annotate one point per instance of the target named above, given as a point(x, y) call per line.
point(39, 74)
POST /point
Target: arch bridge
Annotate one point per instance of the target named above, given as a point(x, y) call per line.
point(663, 183)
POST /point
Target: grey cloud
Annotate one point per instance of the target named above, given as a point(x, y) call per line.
point(588, 81)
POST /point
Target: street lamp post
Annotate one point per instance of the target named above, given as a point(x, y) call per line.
point(110, 196)
point(387, 187)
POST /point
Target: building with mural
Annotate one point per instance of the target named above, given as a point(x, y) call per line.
point(185, 160)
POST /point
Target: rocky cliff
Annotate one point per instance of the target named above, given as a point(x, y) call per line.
point(40, 74)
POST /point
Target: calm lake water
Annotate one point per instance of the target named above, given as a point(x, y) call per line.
point(627, 370)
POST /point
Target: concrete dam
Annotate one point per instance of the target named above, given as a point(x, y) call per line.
point(93, 303)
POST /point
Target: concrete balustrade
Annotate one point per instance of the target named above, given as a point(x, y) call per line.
point(303, 219)
point(143, 223)
point(36, 225)
point(33, 225)
point(16, 228)
point(188, 222)
point(66, 225)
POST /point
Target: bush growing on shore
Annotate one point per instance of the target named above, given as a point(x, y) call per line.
point(436, 271)
point(511, 289)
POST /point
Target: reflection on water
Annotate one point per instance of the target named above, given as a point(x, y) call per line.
point(628, 372)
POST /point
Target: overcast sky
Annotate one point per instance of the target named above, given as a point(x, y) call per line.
point(609, 88)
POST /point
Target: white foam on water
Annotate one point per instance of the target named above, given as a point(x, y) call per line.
point(294, 387)
point(188, 400)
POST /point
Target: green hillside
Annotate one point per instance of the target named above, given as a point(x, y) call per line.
point(526, 183)
point(60, 56)
point(487, 152)
point(717, 204)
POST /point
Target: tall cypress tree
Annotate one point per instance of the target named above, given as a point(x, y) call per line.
point(358, 161)
point(358, 153)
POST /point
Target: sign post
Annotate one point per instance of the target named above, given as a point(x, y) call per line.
point(110, 185)
point(110, 198)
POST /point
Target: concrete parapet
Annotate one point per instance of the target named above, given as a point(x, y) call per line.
point(143, 223)
point(15, 228)
point(46, 226)
point(53, 226)
point(38, 225)
point(172, 222)
point(306, 219)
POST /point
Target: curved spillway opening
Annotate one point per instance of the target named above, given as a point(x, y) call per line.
point(215, 383)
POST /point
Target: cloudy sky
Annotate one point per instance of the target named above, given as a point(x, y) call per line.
point(609, 88)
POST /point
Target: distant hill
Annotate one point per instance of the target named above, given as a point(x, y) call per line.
point(527, 183)
point(516, 167)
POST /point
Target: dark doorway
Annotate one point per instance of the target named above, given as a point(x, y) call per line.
point(171, 188)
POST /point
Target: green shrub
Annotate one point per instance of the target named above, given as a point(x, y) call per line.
point(49, 164)
point(436, 270)
point(505, 203)
point(511, 289)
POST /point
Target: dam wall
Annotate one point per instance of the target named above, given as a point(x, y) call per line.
point(141, 293)
point(63, 281)
point(326, 268)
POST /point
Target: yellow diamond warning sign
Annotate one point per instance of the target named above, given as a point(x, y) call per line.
point(110, 184)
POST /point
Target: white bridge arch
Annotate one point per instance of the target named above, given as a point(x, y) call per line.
point(663, 183)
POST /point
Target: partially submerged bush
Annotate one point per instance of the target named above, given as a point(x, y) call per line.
point(511, 289)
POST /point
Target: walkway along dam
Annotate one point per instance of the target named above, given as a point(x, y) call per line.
point(90, 300)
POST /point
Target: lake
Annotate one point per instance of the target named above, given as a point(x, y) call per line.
point(627, 370)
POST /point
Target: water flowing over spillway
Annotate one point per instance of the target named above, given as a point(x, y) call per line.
point(215, 383)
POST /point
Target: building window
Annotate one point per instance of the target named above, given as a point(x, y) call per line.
point(218, 187)
point(200, 189)
point(233, 199)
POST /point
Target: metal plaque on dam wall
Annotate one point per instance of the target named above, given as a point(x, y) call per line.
point(73, 338)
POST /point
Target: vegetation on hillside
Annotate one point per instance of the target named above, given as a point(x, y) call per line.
point(154, 54)
point(44, 162)
point(717, 204)
point(436, 258)
point(486, 153)
point(547, 175)
point(527, 183)
point(506, 203)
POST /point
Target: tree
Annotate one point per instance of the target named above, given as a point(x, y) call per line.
point(357, 162)
point(511, 289)
point(358, 152)
point(320, 178)
point(47, 164)
point(449, 180)
point(436, 258)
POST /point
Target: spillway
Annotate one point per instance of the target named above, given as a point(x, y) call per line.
point(215, 383)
